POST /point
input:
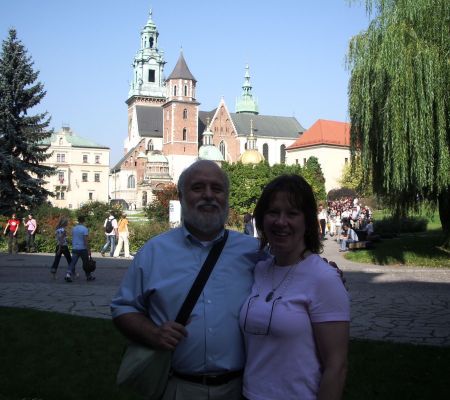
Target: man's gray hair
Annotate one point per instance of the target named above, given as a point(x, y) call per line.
point(192, 168)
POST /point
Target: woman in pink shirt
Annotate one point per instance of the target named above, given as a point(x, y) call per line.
point(296, 320)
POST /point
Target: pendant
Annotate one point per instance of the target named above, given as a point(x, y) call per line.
point(269, 296)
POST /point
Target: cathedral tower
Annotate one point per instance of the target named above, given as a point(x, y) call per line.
point(147, 87)
point(180, 113)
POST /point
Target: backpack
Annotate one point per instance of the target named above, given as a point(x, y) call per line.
point(109, 226)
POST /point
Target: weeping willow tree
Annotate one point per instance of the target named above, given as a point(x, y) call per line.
point(399, 103)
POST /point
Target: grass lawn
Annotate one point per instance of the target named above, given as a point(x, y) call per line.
point(409, 249)
point(50, 356)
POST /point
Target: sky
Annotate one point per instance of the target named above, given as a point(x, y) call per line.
point(84, 50)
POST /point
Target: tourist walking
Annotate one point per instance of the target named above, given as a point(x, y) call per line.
point(110, 226)
point(11, 229)
point(80, 248)
point(124, 233)
point(62, 247)
point(30, 228)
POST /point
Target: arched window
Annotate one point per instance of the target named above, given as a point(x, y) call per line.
point(185, 114)
point(185, 90)
point(131, 184)
point(151, 42)
point(150, 145)
point(144, 199)
point(175, 90)
point(184, 134)
point(222, 148)
point(266, 151)
point(282, 154)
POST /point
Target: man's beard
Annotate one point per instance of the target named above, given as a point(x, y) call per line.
point(205, 222)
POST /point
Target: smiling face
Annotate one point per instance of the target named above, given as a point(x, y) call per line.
point(284, 228)
point(204, 200)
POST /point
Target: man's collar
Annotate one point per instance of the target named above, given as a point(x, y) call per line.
point(188, 235)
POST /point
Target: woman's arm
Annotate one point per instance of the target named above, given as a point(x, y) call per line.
point(332, 344)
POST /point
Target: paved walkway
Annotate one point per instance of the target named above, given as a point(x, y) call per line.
point(388, 303)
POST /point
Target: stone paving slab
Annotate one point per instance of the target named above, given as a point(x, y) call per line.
point(399, 304)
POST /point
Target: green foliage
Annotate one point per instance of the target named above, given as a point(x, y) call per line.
point(337, 194)
point(158, 209)
point(22, 175)
point(247, 181)
point(399, 102)
point(140, 232)
point(356, 177)
point(400, 225)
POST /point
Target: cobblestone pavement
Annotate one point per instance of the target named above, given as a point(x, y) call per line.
point(395, 303)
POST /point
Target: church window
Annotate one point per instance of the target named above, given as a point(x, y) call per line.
point(222, 149)
point(185, 113)
point(150, 145)
point(282, 154)
point(185, 90)
point(131, 183)
point(266, 151)
point(151, 42)
point(184, 134)
point(175, 90)
point(151, 75)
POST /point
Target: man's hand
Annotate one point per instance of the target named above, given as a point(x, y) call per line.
point(340, 272)
point(168, 335)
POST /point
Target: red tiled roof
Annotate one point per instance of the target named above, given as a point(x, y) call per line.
point(324, 132)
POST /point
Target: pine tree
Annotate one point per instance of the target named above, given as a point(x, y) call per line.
point(21, 151)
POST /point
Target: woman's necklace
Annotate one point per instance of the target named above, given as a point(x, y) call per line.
point(272, 265)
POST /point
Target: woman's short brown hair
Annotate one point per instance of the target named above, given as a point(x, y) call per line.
point(301, 196)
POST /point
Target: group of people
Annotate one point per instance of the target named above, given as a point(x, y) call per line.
point(116, 231)
point(342, 218)
point(80, 243)
point(11, 231)
point(272, 321)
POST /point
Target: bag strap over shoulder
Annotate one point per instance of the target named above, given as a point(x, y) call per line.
point(200, 281)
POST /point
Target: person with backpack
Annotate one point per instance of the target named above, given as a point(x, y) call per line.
point(110, 226)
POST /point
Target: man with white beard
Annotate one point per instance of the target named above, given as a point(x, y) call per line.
point(208, 353)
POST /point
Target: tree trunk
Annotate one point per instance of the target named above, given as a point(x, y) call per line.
point(444, 215)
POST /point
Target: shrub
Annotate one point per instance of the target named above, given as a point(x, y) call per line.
point(140, 232)
point(336, 194)
point(400, 225)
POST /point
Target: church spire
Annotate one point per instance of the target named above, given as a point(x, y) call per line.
point(148, 65)
point(246, 103)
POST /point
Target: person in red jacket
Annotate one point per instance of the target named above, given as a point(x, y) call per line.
point(11, 230)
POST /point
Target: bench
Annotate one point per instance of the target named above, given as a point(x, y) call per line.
point(363, 244)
